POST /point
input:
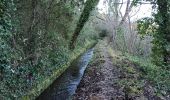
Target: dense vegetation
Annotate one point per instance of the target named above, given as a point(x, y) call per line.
point(158, 28)
point(150, 49)
point(38, 37)
point(34, 41)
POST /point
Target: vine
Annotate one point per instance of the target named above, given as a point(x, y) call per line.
point(5, 35)
point(160, 32)
point(89, 5)
point(160, 42)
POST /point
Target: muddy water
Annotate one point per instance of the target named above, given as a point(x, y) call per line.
point(64, 87)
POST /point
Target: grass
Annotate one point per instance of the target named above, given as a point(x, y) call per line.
point(137, 70)
point(155, 74)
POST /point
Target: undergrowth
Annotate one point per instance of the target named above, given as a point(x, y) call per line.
point(155, 74)
point(137, 73)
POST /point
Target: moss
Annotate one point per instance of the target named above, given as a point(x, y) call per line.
point(135, 90)
point(130, 70)
point(36, 91)
point(89, 5)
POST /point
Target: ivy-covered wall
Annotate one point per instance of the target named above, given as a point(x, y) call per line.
point(34, 43)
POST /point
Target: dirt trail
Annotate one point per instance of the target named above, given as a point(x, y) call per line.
point(111, 76)
point(99, 83)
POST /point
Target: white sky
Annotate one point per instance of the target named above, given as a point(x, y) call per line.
point(145, 10)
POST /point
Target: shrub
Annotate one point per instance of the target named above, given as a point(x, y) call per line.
point(103, 33)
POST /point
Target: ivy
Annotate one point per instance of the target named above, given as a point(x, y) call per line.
point(160, 43)
point(146, 26)
point(160, 30)
point(34, 37)
point(5, 34)
point(89, 5)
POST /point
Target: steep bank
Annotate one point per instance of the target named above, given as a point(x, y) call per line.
point(65, 86)
point(48, 80)
point(34, 44)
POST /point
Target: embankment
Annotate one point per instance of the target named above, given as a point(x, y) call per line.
point(48, 80)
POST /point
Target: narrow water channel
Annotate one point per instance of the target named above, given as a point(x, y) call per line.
point(65, 86)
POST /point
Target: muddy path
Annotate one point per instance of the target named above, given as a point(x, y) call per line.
point(99, 83)
point(112, 77)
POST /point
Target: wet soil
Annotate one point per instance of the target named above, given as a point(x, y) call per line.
point(100, 79)
point(110, 77)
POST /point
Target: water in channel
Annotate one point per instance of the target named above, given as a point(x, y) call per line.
point(65, 86)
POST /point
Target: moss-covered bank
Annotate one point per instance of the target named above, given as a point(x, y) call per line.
point(39, 88)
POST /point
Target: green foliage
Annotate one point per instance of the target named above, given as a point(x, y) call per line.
point(145, 26)
point(140, 70)
point(120, 40)
point(34, 39)
point(103, 33)
point(157, 72)
point(161, 38)
point(5, 34)
point(88, 33)
point(159, 31)
point(89, 5)
point(159, 77)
